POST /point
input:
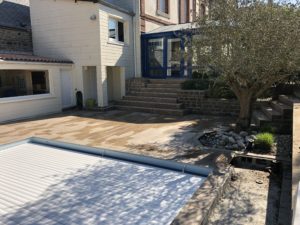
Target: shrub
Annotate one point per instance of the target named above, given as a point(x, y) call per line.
point(267, 128)
point(219, 89)
point(264, 141)
point(195, 84)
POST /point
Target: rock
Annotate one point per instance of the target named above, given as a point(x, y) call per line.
point(235, 147)
point(253, 137)
point(224, 138)
point(243, 134)
point(228, 147)
point(231, 140)
point(249, 139)
point(222, 143)
point(241, 144)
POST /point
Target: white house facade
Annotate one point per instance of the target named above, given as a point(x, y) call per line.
point(98, 38)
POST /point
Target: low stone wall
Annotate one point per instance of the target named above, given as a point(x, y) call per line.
point(197, 102)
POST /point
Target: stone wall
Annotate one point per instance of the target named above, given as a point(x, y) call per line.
point(197, 102)
point(15, 40)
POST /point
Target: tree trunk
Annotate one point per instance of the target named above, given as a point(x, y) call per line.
point(245, 100)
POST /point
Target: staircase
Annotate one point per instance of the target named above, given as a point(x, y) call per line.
point(153, 96)
point(277, 114)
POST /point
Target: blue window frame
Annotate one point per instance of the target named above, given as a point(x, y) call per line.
point(165, 55)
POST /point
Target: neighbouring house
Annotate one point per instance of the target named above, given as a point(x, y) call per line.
point(52, 50)
point(29, 84)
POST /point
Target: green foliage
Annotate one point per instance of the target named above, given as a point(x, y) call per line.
point(90, 103)
point(264, 141)
point(220, 89)
point(195, 84)
point(267, 128)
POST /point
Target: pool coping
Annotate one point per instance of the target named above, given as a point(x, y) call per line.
point(195, 211)
point(113, 154)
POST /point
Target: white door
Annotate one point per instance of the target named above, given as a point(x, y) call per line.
point(66, 88)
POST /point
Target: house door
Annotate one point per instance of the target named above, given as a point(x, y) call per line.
point(66, 88)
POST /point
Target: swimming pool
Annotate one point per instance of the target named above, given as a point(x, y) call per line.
point(49, 182)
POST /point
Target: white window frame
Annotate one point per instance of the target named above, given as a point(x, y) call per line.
point(116, 40)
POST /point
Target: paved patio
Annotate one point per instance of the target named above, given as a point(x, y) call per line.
point(143, 133)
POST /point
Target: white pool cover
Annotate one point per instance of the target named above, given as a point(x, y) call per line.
point(45, 185)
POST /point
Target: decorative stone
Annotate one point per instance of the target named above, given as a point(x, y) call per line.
point(241, 144)
point(222, 143)
point(235, 147)
point(253, 137)
point(228, 147)
point(249, 139)
point(244, 133)
point(231, 140)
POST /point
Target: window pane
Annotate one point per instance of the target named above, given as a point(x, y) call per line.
point(155, 52)
point(39, 83)
point(163, 6)
point(112, 28)
point(174, 57)
point(15, 83)
point(121, 31)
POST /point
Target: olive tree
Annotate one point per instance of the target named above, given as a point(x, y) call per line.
point(253, 44)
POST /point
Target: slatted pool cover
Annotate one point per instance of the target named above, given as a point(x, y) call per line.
point(45, 185)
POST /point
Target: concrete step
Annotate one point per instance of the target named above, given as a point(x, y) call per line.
point(284, 109)
point(156, 90)
point(281, 107)
point(173, 112)
point(150, 104)
point(270, 112)
point(150, 99)
point(166, 81)
point(175, 86)
point(153, 94)
point(288, 100)
point(259, 117)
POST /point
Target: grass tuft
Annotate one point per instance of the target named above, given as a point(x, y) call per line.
point(264, 141)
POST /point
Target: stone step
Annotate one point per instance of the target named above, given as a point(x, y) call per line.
point(281, 107)
point(150, 104)
point(259, 117)
point(173, 112)
point(175, 86)
point(156, 90)
point(153, 94)
point(150, 99)
point(270, 112)
point(166, 81)
point(288, 100)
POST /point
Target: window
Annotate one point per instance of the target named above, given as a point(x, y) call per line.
point(155, 53)
point(184, 11)
point(15, 83)
point(163, 6)
point(116, 30)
